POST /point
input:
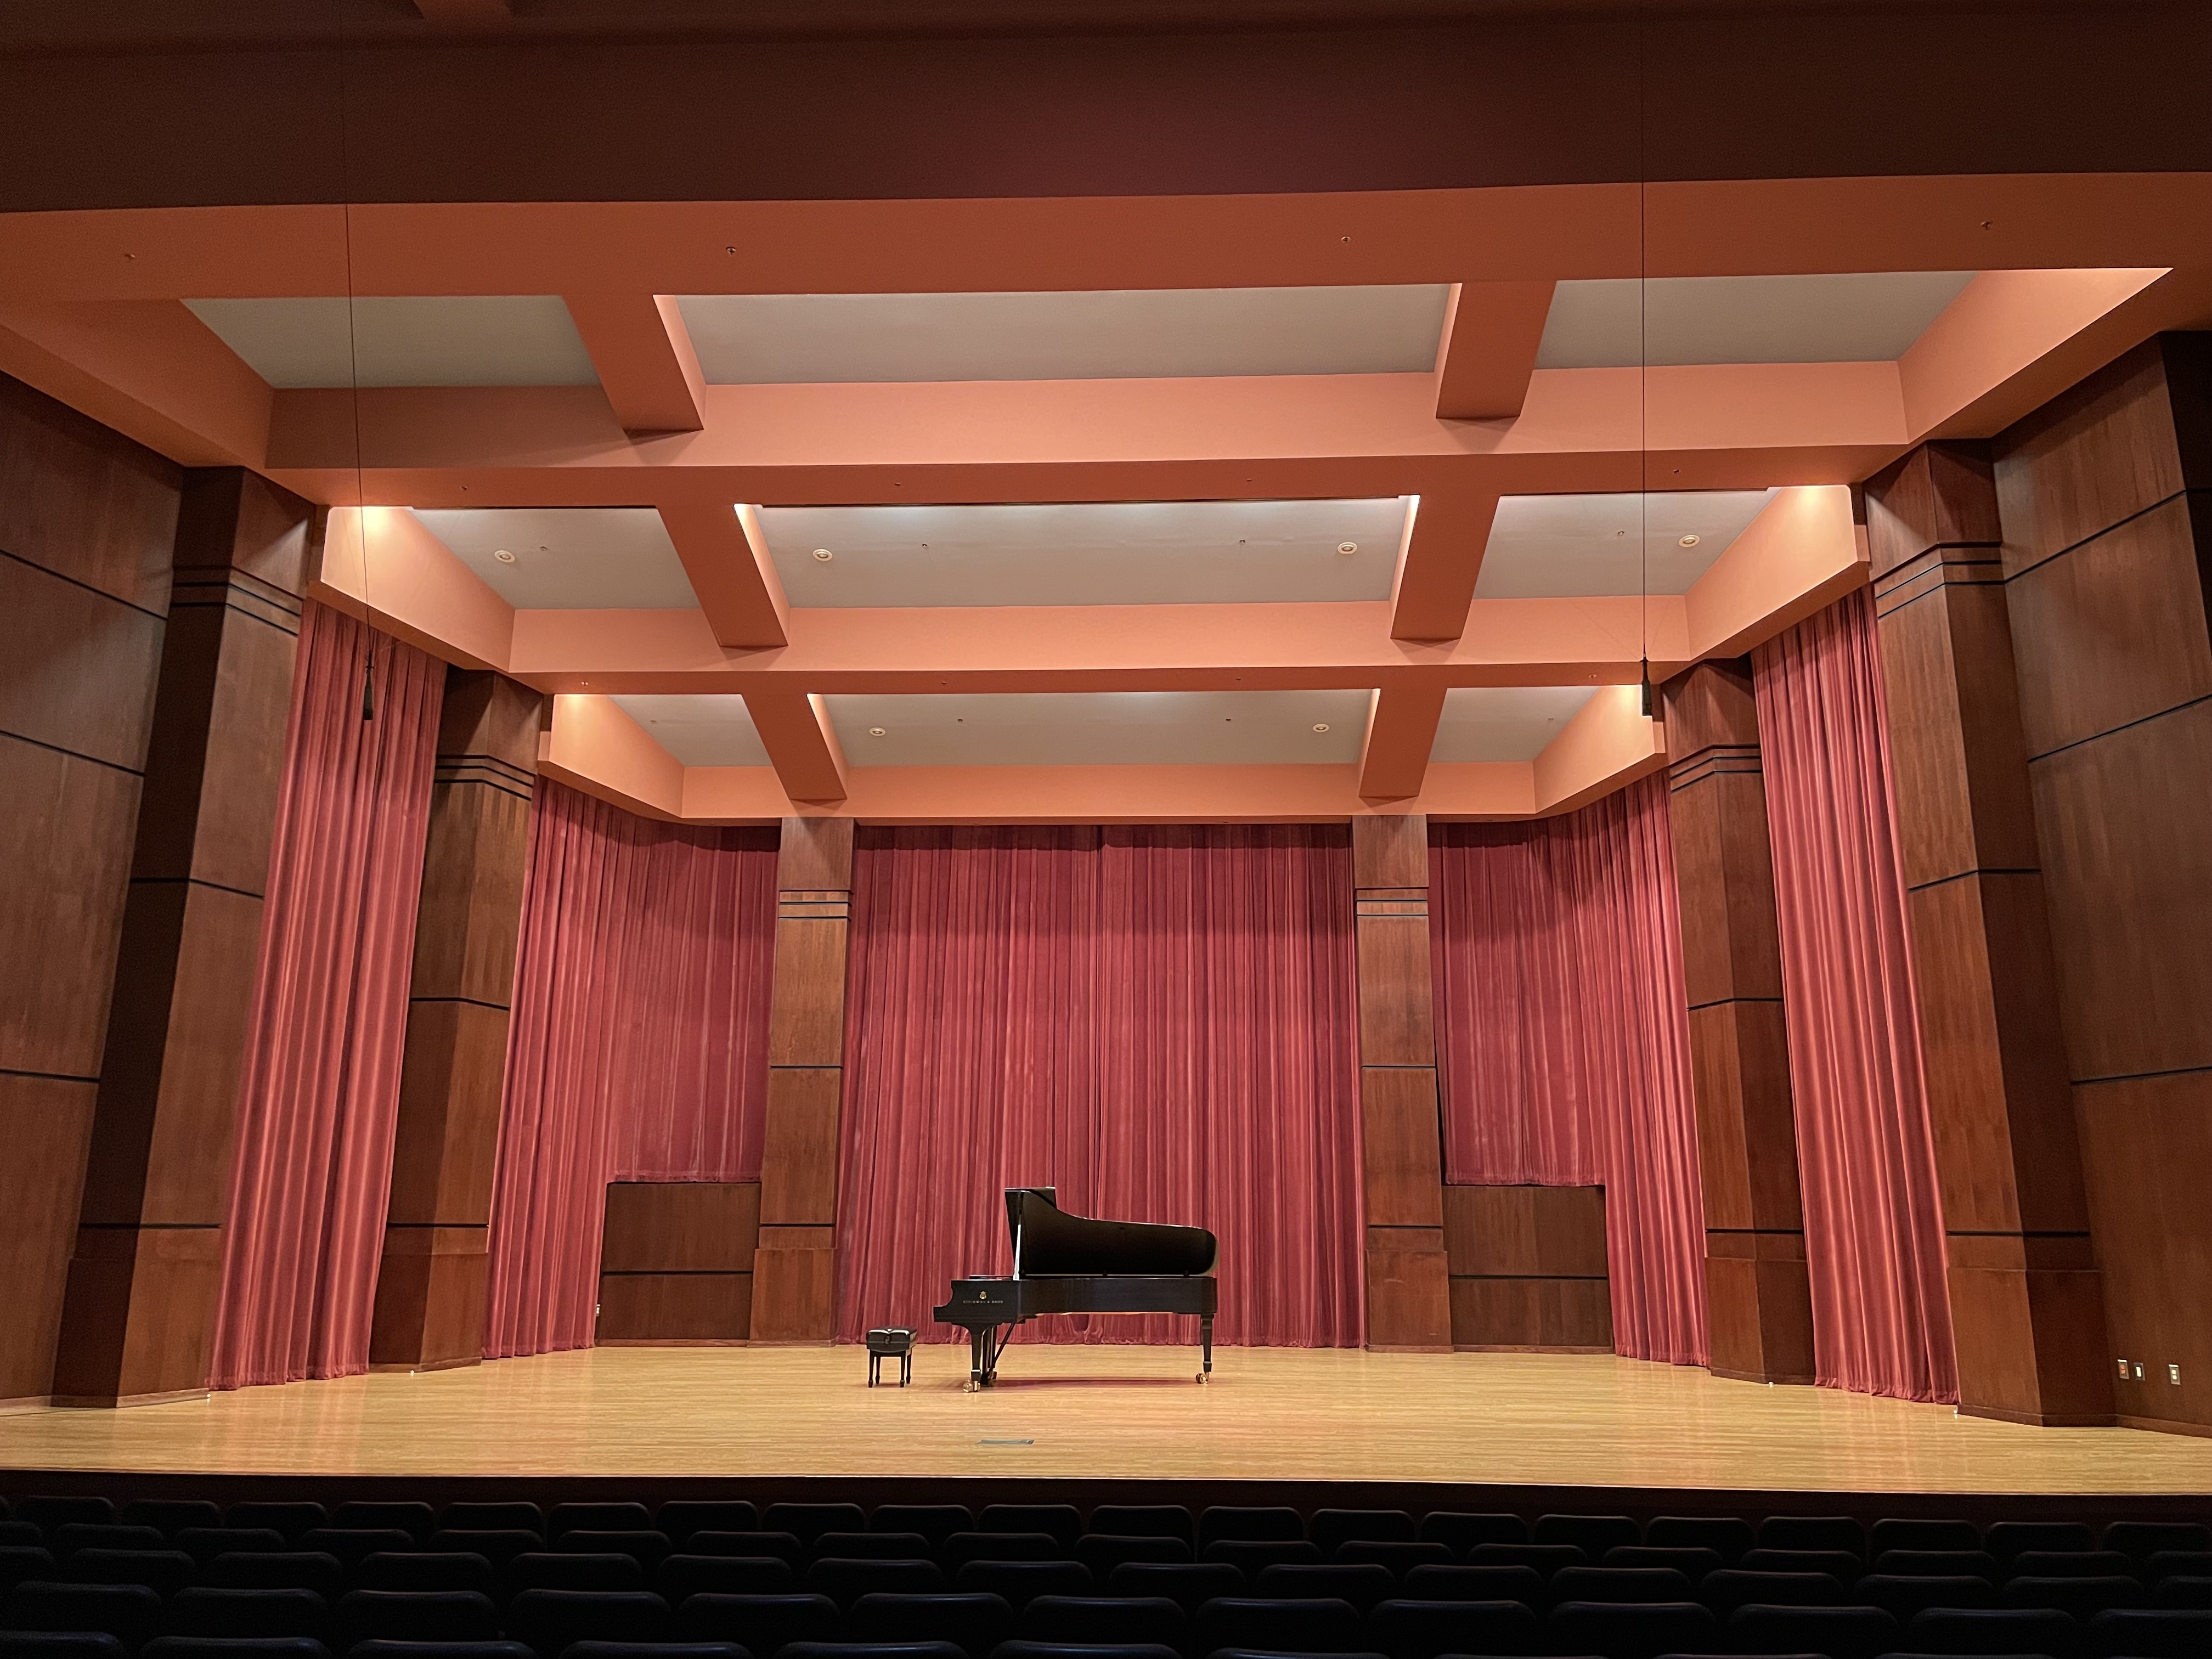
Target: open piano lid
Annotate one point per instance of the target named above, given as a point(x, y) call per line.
point(1049, 1242)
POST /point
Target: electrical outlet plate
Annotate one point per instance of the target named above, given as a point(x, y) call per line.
point(2174, 1375)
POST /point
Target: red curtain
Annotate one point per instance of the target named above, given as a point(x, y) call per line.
point(311, 1173)
point(1160, 1022)
point(1874, 1223)
point(638, 1046)
point(1563, 1040)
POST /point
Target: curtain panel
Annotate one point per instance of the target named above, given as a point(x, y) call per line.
point(319, 1097)
point(1563, 1040)
point(1874, 1219)
point(637, 1049)
point(1158, 1021)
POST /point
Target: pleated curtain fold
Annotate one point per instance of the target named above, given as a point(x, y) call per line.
point(1158, 1021)
point(319, 1096)
point(1874, 1220)
point(637, 1049)
point(1563, 1040)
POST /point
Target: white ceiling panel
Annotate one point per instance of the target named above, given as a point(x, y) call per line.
point(1572, 546)
point(1102, 728)
point(1504, 723)
point(568, 558)
point(1116, 334)
point(1865, 317)
point(520, 339)
point(699, 731)
point(1087, 553)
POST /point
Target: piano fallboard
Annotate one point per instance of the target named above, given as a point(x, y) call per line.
point(981, 1303)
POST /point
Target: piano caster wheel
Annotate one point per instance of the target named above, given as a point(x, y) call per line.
point(1201, 1377)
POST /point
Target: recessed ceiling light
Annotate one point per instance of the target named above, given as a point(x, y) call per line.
point(1689, 541)
point(877, 732)
point(1347, 548)
point(1323, 726)
point(504, 556)
point(824, 554)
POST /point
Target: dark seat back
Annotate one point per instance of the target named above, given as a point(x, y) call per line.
point(1914, 1534)
point(1728, 1537)
point(170, 1515)
point(1692, 1562)
point(24, 1563)
point(873, 1546)
point(760, 1624)
point(1593, 1535)
point(1632, 1629)
point(382, 1615)
point(957, 1551)
point(1840, 1564)
point(132, 1613)
point(292, 1518)
point(845, 1582)
point(2150, 1633)
point(1992, 1629)
point(808, 1522)
point(1189, 1586)
point(49, 1512)
point(1838, 1632)
point(1331, 1529)
point(1103, 1551)
point(1251, 1555)
point(1838, 1532)
point(418, 1521)
point(204, 1544)
point(1058, 1522)
point(1470, 1583)
point(1143, 1520)
point(784, 1546)
point(71, 1537)
point(1318, 1624)
point(602, 1516)
point(351, 1545)
point(516, 1515)
point(547, 1620)
point(1737, 1586)
point(306, 1570)
point(2006, 1539)
point(1902, 1595)
point(549, 1569)
point(1620, 1584)
point(2141, 1540)
point(1460, 1531)
point(166, 1571)
point(680, 1517)
point(1940, 1563)
point(1021, 1582)
point(681, 1575)
point(1546, 1558)
point(1248, 1522)
point(1362, 1586)
point(935, 1522)
point(1408, 1629)
point(212, 1610)
point(1398, 1556)
point(424, 1570)
point(973, 1622)
point(498, 1547)
point(648, 1549)
point(1118, 1620)
point(2082, 1597)
point(234, 1647)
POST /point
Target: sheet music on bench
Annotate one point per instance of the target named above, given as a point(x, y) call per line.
point(1071, 1264)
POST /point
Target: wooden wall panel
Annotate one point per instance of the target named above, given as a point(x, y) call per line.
point(430, 1288)
point(1394, 970)
point(667, 1310)
point(1529, 1268)
point(794, 1269)
point(88, 523)
point(1759, 1323)
point(1390, 850)
point(1402, 1152)
point(676, 1261)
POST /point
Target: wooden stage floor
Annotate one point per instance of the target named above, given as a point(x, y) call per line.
point(1107, 1414)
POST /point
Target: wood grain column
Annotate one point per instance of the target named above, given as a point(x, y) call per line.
point(1758, 1299)
point(88, 520)
point(430, 1284)
point(1408, 1276)
point(795, 1268)
point(140, 1311)
point(2026, 1301)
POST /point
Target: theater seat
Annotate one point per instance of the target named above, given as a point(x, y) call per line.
point(1019, 1581)
point(1632, 1629)
point(1940, 1563)
point(1362, 1586)
point(2071, 1564)
point(1842, 1566)
point(547, 1620)
point(1620, 1584)
point(2150, 1633)
point(1140, 1620)
point(1593, 1535)
point(845, 1581)
point(424, 1570)
point(289, 1519)
point(234, 1647)
point(2182, 1591)
point(132, 1613)
point(68, 1539)
point(1546, 1558)
point(1902, 1595)
point(957, 1551)
point(973, 1622)
point(2082, 1597)
point(378, 1615)
point(1331, 1529)
point(1992, 1629)
point(170, 1515)
point(352, 1544)
point(761, 1624)
point(20, 1534)
point(680, 1517)
point(1734, 1587)
point(1020, 1649)
point(935, 1522)
point(570, 1572)
point(722, 1575)
point(1814, 1532)
point(1143, 1520)
point(306, 1570)
point(1915, 1534)
point(2141, 1540)
point(600, 1518)
point(873, 1546)
point(1399, 1558)
point(648, 1549)
point(1425, 1630)
point(418, 1520)
point(1320, 1625)
point(784, 1546)
point(1727, 1536)
point(654, 1650)
point(166, 1571)
point(1103, 1551)
point(59, 1645)
point(211, 1610)
point(1190, 1586)
point(49, 1512)
point(497, 1545)
point(1522, 1584)
point(2006, 1539)
point(441, 1650)
point(204, 1544)
point(517, 1516)
point(808, 1522)
point(2177, 1563)
point(1251, 1555)
point(1461, 1531)
point(1838, 1632)
point(21, 1563)
point(1058, 1522)
point(1248, 1523)
point(1692, 1562)
point(872, 1650)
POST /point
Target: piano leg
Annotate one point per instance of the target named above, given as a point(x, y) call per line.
point(1206, 1342)
point(979, 1351)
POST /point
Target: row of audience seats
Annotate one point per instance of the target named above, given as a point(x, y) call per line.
point(181, 1579)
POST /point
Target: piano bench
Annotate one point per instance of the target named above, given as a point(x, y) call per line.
point(892, 1343)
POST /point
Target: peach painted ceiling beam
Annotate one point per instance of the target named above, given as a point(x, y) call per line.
point(642, 351)
point(802, 746)
point(1488, 348)
point(1401, 730)
point(726, 556)
point(1439, 563)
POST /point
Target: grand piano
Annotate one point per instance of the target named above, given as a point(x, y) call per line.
point(1070, 1264)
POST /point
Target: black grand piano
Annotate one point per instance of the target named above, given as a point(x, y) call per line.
point(1070, 1264)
